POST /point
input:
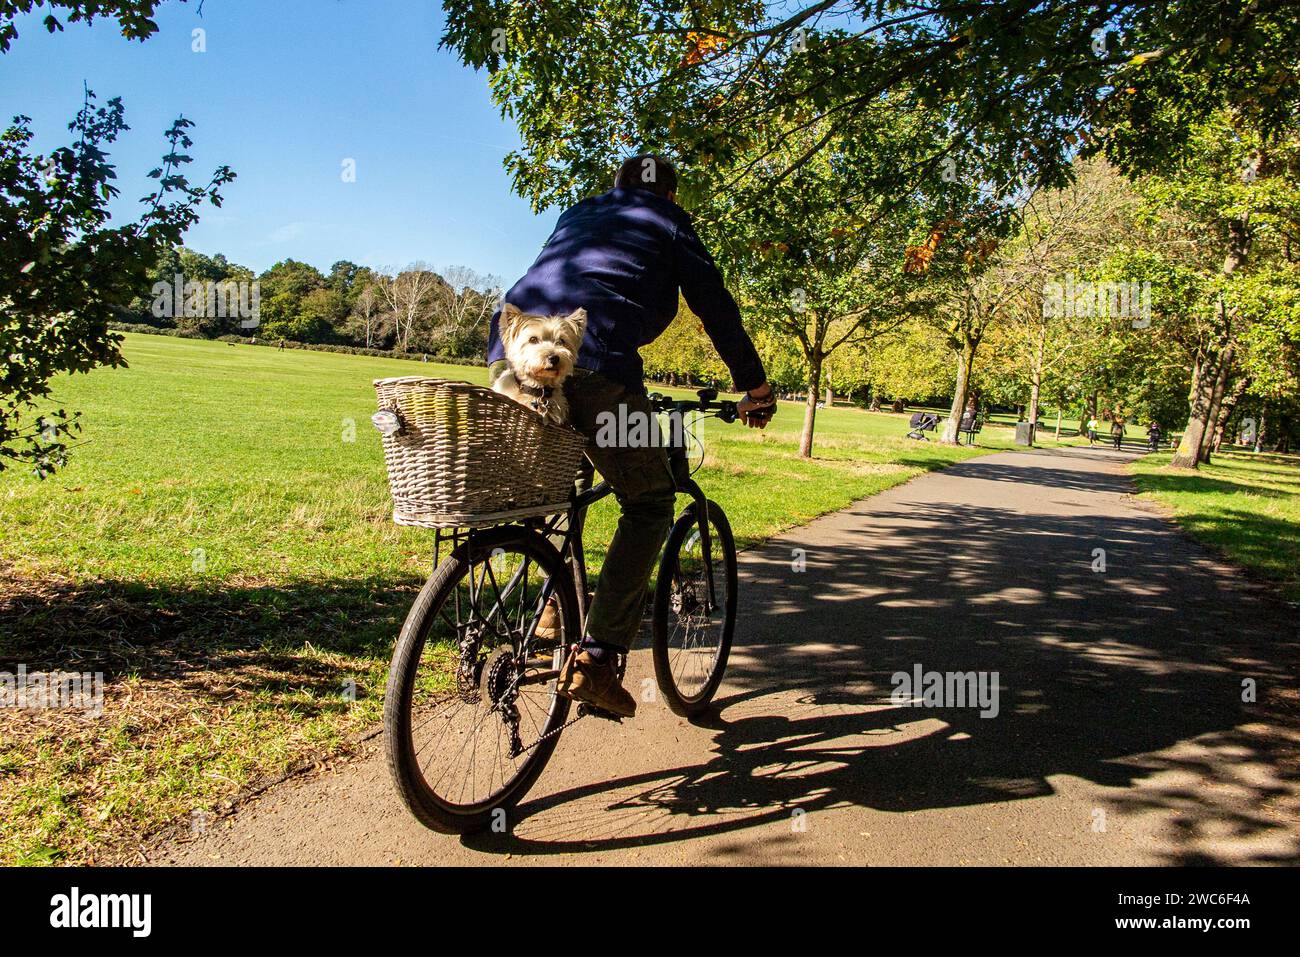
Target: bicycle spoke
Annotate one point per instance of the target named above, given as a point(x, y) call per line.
point(696, 624)
point(474, 724)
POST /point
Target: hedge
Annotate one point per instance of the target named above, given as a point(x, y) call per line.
point(290, 344)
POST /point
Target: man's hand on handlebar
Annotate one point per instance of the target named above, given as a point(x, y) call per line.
point(757, 407)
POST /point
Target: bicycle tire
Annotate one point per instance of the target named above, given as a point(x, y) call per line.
point(693, 703)
point(433, 810)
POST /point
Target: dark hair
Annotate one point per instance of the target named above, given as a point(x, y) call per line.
point(647, 171)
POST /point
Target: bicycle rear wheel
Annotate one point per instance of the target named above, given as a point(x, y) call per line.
point(470, 711)
point(693, 625)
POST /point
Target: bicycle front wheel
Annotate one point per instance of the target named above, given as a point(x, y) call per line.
point(694, 610)
point(470, 712)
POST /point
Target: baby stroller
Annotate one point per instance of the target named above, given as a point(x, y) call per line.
point(921, 423)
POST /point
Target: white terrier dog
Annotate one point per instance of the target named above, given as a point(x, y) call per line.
point(541, 352)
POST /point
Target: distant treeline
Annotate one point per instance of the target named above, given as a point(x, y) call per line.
point(418, 312)
point(147, 329)
point(414, 310)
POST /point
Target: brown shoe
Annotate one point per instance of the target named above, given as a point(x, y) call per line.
point(548, 625)
point(596, 683)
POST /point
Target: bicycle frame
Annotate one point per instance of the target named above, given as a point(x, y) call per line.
point(574, 517)
point(496, 649)
point(571, 545)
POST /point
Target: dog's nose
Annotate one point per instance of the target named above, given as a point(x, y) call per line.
point(552, 361)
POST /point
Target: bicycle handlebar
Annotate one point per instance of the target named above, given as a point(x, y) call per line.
point(707, 402)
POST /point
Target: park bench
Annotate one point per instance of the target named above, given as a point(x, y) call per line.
point(968, 427)
point(921, 423)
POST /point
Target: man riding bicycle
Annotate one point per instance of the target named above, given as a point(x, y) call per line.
point(623, 256)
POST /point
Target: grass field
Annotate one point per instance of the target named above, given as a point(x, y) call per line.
point(1245, 505)
point(220, 547)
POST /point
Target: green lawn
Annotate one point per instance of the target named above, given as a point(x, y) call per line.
point(220, 547)
point(1245, 505)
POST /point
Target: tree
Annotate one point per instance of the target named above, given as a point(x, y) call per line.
point(409, 296)
point(66, 271)
point(1063, 234)
point(211, 302)
point(683, 354)
point(321, 315)
point(284, 289)
point(910, 364)
point(368, 323)
point(1229, 211)
point(134, 17)
point(729, 83)
point(811, 264)
point(464, 304)
point(1268, 388)
point(977, 282)
point(343, 278)
point(746, 95)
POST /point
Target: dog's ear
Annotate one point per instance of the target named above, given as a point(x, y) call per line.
point(509, 316)
point(577, 321)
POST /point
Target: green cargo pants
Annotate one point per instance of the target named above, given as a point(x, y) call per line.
point(644, 488)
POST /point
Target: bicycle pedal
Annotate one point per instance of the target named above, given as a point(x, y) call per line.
point(585, 710)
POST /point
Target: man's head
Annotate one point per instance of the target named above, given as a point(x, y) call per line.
point(648, 171)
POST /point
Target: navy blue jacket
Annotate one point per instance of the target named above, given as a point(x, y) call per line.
point(622, 256)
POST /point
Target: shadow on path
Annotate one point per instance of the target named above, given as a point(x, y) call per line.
point(1107, 676)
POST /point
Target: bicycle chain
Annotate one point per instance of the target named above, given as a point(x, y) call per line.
point(584, 711)
point(550, 734)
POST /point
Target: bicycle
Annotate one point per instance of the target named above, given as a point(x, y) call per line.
point(472, 677)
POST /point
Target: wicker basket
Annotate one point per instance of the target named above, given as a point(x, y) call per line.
point(465, 456)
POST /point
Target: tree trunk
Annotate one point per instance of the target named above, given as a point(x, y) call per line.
point(1036, 384)
point(1216, 401)
point(1035, 395)
point(1206, 379)
point(1229, 406)
point(965, 359)
point(1189, 448)
point(810, 408)
point(1058, 423)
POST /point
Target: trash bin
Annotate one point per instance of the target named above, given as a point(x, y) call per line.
point(1024, 433)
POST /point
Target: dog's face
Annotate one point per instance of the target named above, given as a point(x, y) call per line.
point(542, 348)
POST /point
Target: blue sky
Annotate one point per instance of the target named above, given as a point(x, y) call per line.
point(287, 90)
